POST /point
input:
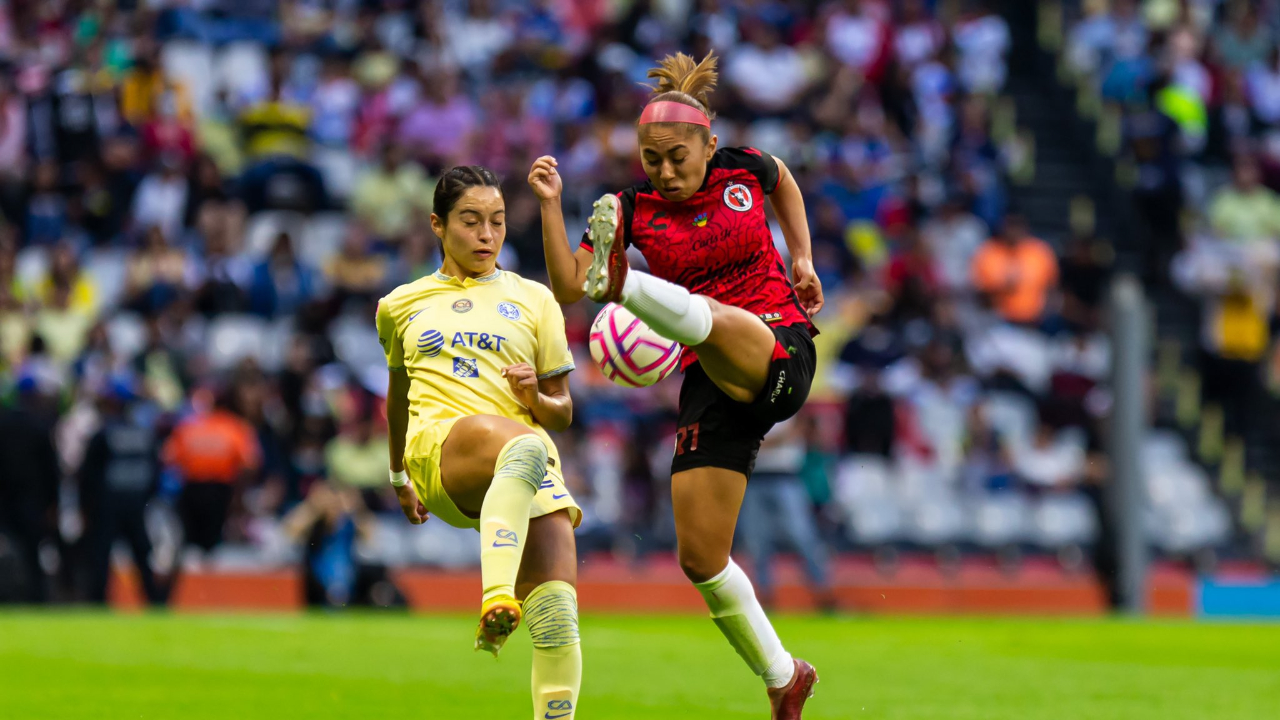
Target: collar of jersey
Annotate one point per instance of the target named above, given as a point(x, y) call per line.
point(439, 275)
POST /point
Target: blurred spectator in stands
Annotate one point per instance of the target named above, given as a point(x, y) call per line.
point(64, 272)
point(13, 150)
point(987, 462)
point(440, 129)
point(975, 164)
point(769, 76)
point(858, 36)
point(281, 283)
point(953, 235)
point(475, 38)
point(912, 277)
point(1237, 286)
point(166, 132)
point(29, 483)
point(1263, 84)
point(15, 328)
point(278, 146)
point(392, 197)
point(160, 365)
point(869, 412)
point(64, 327)
point(354, 271)
point(119, 475)
point(146, 88)
point(213, 453)
point(253, 399)
point(357, 455)
point(1243, 41)
point(1084, 280)
point(334, 104)
point(1015, 272)
point(211, 207)
point(776, 508)
point(1246, 211)
point(155, 274)
point(220, 278)
point(328, 523)
point(46, 220)
point(1053, 460)
point(982, 39)
point(162, 198)
point(1151, 138)
point(918, 36)
point(1188, 71)
point(121, 178)
point(217, 133)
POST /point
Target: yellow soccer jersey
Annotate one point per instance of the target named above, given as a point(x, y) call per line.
point(453, 337)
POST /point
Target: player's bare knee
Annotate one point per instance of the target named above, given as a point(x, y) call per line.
point(700, 566)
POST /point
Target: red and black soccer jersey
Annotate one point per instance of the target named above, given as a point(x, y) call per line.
point(717, 243)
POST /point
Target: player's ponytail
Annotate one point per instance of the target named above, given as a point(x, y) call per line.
point(682, 79)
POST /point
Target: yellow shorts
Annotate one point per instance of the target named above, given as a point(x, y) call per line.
point(422, 462)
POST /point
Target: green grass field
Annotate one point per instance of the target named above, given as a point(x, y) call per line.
point(99, 666)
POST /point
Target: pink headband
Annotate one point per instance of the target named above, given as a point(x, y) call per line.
point(668, 111)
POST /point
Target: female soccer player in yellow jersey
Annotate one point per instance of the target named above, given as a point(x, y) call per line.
point(479, 365)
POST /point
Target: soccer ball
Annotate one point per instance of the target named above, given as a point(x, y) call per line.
point(628, 352)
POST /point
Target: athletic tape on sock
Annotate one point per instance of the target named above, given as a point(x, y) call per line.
point(551, 612)
point(524, 457)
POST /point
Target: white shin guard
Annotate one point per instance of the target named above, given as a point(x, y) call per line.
point(738, 614)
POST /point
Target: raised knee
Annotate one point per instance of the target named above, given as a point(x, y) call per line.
point(700, 567)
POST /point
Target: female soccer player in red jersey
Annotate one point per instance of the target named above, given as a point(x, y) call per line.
point(719, 287)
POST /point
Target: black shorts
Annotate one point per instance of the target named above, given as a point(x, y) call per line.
point(203, 508)
point(715, 431)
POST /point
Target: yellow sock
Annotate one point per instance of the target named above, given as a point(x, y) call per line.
point(551, 612)
point(504, 514)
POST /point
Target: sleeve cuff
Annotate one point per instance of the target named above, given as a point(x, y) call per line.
point(570, 367)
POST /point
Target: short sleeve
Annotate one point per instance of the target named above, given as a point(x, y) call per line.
point(757, 162)
point(389, 337)
point(553, 357)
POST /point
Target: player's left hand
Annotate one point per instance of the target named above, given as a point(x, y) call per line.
point(808, 286)
point(523, 380)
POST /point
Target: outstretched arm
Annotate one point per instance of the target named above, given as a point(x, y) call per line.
point(566, 268)
point(788, 205)
point(397, 428)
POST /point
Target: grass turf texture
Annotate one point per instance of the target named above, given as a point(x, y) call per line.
point(73, 665)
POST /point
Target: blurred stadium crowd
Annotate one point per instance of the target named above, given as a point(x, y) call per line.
point(203, 201)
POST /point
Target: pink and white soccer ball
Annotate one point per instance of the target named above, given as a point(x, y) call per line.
point(628, 352)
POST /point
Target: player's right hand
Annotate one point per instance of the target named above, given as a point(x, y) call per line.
point(544, 179)
point(410, 505)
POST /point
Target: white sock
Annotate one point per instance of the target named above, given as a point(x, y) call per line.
point(737, 612)
point(672, 312)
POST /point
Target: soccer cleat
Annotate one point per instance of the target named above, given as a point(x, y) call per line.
point(788, 702)
point(499, 618)
point(608, 271)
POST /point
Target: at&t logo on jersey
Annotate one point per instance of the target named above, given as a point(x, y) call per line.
point(738, 197)
point(430, 343)
point(466, 367)
point(478, 340)
point(508, 311)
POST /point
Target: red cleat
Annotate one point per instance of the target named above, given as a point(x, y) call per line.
point(788, 702)
point(608, 271)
